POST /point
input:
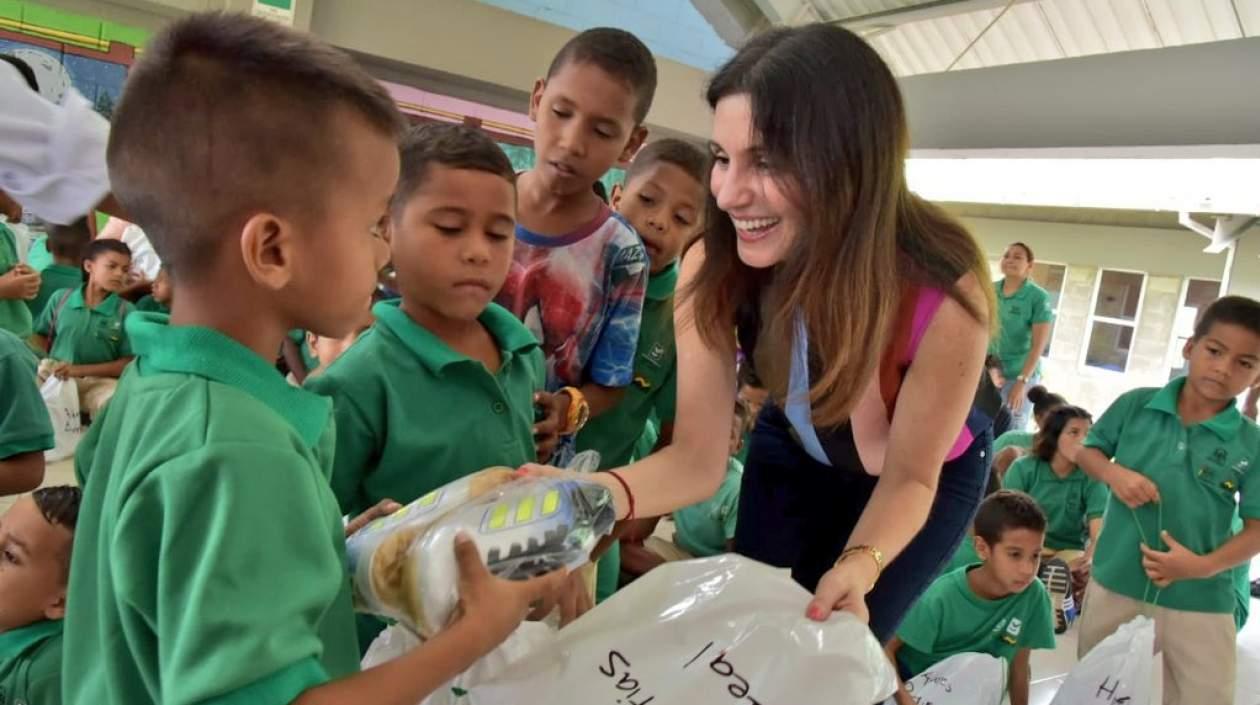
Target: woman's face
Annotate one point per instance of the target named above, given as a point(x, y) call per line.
point(746, 188)
point(1015, 262)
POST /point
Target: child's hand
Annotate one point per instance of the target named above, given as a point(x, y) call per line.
point(1132, 488)
point(21, 282)
point(1177, 563)
point(383, 508)
point(61, 370)
point(547, 431)
point(493, 606)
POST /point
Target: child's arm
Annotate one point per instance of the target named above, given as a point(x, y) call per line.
point(21, 473)
point(1132, 488)
point(40, 342)
point(1180, 563)
point(1021, 677)
point(901, 697)
point(105, 369)
point(20, 283)
point(490, 610)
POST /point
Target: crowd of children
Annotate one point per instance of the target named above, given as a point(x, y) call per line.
point(532, 320)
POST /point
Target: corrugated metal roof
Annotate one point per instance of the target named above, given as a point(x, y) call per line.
point(1042, 30)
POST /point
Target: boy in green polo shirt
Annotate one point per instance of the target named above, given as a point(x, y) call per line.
point(663, 199)
point(36, 535)
point(66, 244)
point(997, 608)
point(211, 561)
point(82, 329)
point(25, 429)
point(18, 284)
point(159, 299)
point(1181, 461)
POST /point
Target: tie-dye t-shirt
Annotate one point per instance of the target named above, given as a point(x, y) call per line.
point(582, 295)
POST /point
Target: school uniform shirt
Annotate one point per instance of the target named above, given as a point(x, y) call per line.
point(965, 555)
point(298, 336)
point(30, 664)
point(209, 561)
point(15, 317)
point(952, 619)
point(703, 529)
point(1017, 439)
point(413, 414)
point(38, 256)
point(652, 391)
point(24, 423)
point(54, 278)
point(148, 304)
point(1069, 502)
point(581, 294)
point(1017, 314)
point(1205, 473)
point(85, 335)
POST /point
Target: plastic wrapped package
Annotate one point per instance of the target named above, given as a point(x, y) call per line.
point(716, 631)
point(1120, 669)
point(962, 679)
point(403, 566)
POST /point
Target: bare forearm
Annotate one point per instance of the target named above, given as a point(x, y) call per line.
point(105, 369)
point(1094, 463)
point(1095, 529)
point(896, 512)
point(600, 398)
point(1021, 678)
point(21, 473)
point(1236, 551)
point(1041, 336)
point(677, 476)
point(408, 679)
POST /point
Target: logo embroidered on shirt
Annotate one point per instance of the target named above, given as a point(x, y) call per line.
point(642, 382)
point(1219, 456)
point(656, 355)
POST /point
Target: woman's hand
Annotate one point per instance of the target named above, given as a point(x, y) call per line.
point(844, 588)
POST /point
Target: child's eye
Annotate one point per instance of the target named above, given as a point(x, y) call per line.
point(501, 236)
point(10, 557)
point(447, 229)
point(721, 160)
point(682, 221)
point(646, 200)
point(604, 133)
point(560, 113)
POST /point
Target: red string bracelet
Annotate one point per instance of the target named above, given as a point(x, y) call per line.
point(629, 494)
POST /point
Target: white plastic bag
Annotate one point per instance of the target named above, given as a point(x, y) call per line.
point(1118, 670)
point(962, 679)
point(61, 396)
point(397, 640)
point(717, 631)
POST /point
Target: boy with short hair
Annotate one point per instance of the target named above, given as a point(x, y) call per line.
point(212, 552)
point(36, 536)
point(19, 283)
point(159, 299)
point(997, 607)
point(580, 272)
point(25, 429)
point(1181, 462)
point(65, 245)
point(82, 329)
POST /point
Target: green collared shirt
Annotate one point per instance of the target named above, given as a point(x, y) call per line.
point(148, 304)
point(654, 386)
point(1017, 314)
point(15, 317)
point(24, 422)
point(54, 278)
point(85, 335)
point(30, 665)
point(209, 562)
point(413, 414)
point(1069, 502)
point(1201, 471)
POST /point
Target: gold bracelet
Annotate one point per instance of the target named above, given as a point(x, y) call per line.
point(866, 550)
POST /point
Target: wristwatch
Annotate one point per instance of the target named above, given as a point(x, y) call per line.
point(1021, 378)
point(579, 411)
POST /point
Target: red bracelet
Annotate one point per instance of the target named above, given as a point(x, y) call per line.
point(629, 494)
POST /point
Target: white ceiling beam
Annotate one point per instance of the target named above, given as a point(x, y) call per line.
point(929, 10)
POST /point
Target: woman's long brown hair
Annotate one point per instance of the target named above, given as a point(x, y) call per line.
point(829, 116)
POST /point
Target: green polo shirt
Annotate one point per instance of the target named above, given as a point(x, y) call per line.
point(30, 664)
point(85, 335)
point(413, 414)
point(298, 336)
point(704, 528)
point(1200, 470)
point(209, 561)
point(1016, 315)
point(965, 555)
point(24, 423)
point(952, 619)
point(54, 278)
point(15, 317)
point(38, 255)
point(1018, 439)
point(148, 304)
point(1069, 502)
point(654, 386)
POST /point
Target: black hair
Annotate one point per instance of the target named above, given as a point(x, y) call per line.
point(224, 116)
point(1044, 400)
point(28, 74)
point(449, 145)
point(1046, 442)
point(617, 53)
point(1234, 310)
point(600, 190)
point(96, 248)
point(1005, 510)
point(682, 154)
point(1027, 250)
point(60, 507)
point(68, 241)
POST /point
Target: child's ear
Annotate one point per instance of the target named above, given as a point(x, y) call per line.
point(1189, 347)
point(56, 608)
point(637, 138)
point(535, 98)
point(615, 197)
point(982, 549)
point(267, 250)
